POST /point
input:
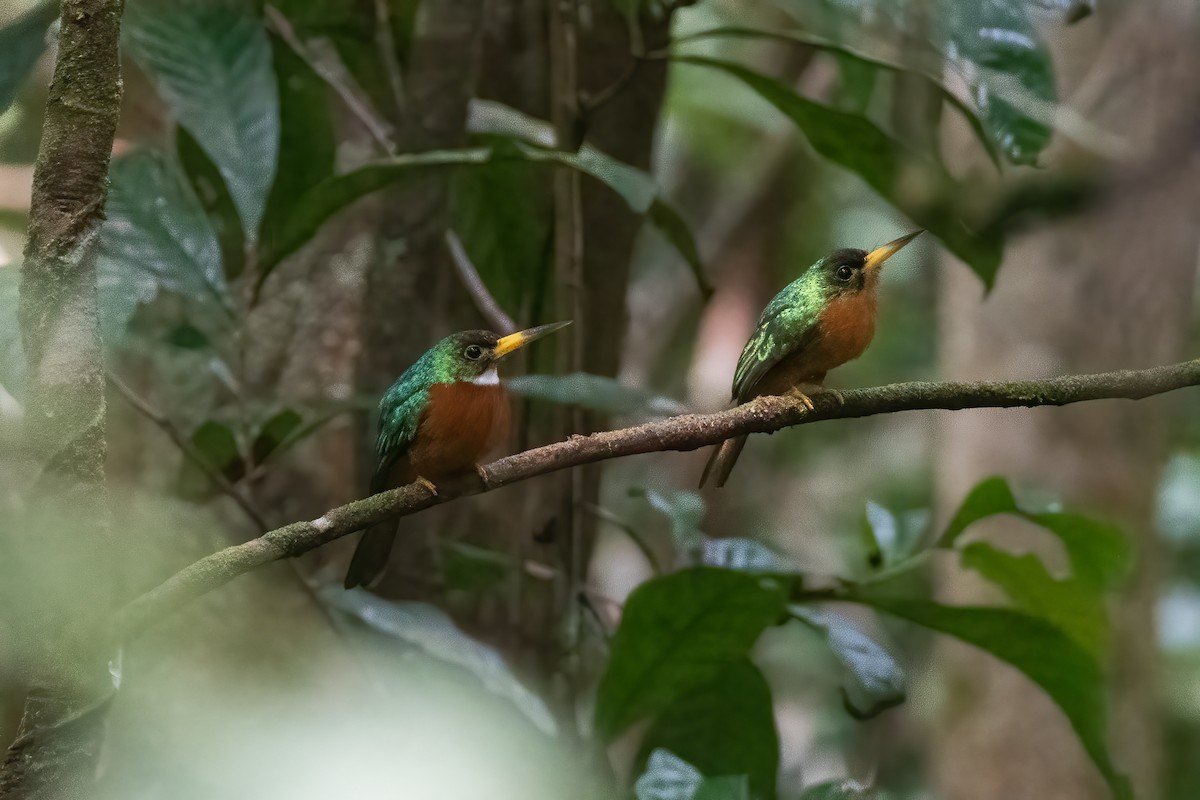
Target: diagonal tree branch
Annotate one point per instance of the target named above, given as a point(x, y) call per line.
point(686, 432)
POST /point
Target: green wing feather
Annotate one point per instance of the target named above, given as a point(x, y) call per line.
point(400, 412)
point(788, 323)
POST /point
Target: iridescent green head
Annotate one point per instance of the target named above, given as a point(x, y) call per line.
point(473, 355)
point(849, 270)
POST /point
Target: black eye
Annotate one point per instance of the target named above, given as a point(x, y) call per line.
point(473, 352)
point(845, 273)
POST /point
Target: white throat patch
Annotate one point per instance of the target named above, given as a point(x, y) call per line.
point(489, 378)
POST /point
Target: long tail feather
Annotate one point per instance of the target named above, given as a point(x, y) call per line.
point(721, 462)
point(371, 555)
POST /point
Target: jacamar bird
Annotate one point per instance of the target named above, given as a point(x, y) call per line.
point(819, 321)
point(445, 413)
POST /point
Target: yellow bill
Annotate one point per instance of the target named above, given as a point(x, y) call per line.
point(876, 257)
point(519, 339)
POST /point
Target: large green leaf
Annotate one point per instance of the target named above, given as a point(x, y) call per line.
point(273, 433)
point(1069, 674)
point(307, 142)
point(859, 58)
point(211, 64)
point(507, 242)
point(156, 236)
point(431, 631)
point(335, 193)
point(1098, 554)
point(596, 392)
point(678, 633)
point(996, 48)
point(725, 727)
point(915, 184)
point(874, 681)
point(21, 42)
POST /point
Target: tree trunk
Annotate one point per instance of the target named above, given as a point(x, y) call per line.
point(1109, 289)
point(63, 544)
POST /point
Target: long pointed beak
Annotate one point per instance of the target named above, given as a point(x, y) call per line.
point(876, 257)
point(519, 339)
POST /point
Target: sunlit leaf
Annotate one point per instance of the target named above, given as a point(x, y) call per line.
point(1071, 676)
point(431, 631)
point(915, 184)
point(724, 728)
point(596, 392)
point(274, 432)
point(684, 511)
point(874, 681)
point(21, 43)
point(669, 777)
point(307, 142)
point(678, 633)
point(211, 64)
point(156, 236)
point(742, 554)
point(990, 41)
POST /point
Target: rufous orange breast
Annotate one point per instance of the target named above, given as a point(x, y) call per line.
point(462, 423)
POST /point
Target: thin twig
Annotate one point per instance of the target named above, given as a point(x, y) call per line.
point(682, 433)
point(634, 535)
point(190, 452)
point(589, 105)
point(379, 130)
point(500, 321)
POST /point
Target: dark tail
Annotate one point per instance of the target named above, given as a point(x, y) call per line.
point(371, 555)
point(721, 462)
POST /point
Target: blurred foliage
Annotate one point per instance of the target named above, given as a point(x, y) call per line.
point(255, 160)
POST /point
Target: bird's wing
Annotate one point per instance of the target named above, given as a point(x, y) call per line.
point(788, 323)
point(400, 413)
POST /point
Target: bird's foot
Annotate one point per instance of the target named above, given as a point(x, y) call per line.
point(796, 393)
point(428, 484)
point(837, 396)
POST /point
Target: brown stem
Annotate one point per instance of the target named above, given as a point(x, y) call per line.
point(682, 433)
point(495, 315)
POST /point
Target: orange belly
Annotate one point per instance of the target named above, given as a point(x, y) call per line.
point(462, 423)
point(846, 327)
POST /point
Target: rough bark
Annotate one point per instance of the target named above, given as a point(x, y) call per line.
point(63, 544)
point(1112, 287)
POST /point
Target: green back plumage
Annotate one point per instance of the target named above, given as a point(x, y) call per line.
point(788, 322)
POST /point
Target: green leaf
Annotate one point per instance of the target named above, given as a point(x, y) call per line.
point(155, 236)
point(596, 392)
point(21, 43)
point(874, 681)
point(211, 64)
point(274, 432)
point(187, 337)
point(218, 445)
point(431, 631)
point(537, 140)
point(472, 569)
point(678, 633)
point(996, 48)
point(209, 189)
point(837, 790)
point(1078, 611)
point(725, 727)
point(724, 787)
point(506, 241)
point(1071, 676)
point(1099, 552)
point(333, 194)
point(887, 166)
point(307, 142)
point(853, 61)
